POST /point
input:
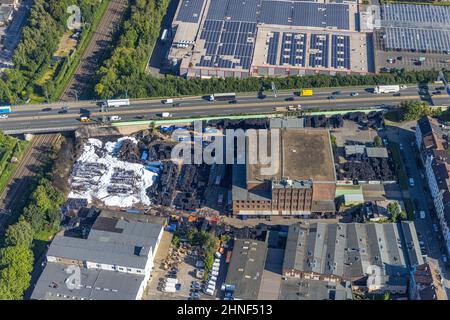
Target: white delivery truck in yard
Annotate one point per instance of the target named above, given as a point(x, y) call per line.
point(170, 289)
point(171, 280)
point(386, 89)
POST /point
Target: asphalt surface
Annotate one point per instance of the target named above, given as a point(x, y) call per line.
point(26, 118)
point(419, 194)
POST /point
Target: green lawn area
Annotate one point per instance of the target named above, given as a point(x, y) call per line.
point(40, 241)
point(399, 168)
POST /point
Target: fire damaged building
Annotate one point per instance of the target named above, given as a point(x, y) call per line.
point(303, 180)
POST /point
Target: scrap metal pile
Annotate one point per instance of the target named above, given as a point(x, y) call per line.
point(375, 169)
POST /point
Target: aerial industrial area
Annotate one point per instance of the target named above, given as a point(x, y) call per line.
point(224, 150)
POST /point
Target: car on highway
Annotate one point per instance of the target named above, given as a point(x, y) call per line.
point(261, 95)
point(331, 97)
point(289, 99)
point(85, 119)
point(233, 101)
point(46, 109)
point(62, 111)
point(3, 116)
point(354, 94)
point(411, 182)
point(437, 92)
point(336, 93)
point(115, 118)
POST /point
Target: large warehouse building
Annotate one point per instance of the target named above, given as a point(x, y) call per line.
point(422, 28)
point(374, 257)
point(304, 182)
point(237, 38)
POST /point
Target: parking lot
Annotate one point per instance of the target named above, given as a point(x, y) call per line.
point(409, 60)
point(179, 264)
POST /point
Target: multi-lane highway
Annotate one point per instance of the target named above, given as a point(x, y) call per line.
point(29, 118)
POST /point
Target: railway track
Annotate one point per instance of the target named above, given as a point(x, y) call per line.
point(12, 197)
point(81, 82)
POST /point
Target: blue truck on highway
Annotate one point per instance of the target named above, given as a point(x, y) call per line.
point(5, 111)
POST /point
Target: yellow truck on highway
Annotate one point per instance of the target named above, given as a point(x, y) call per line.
point(306, 93)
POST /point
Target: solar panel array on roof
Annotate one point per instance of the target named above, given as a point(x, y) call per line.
point(228, 44)
point(273, 48)
point(318, 54)
point(234, 10)
point(276, 12)
point(309, 14)
point(293, 49)
point(340, 52)
point(417, 39)
point(416, 27)
point(417, 14)
point(190, 10)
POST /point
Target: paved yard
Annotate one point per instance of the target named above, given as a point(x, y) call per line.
point(350, 132)
point(185, 275)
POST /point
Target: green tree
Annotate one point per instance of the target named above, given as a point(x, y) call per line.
point(333, 140)
point(377, 141)
point(414, 110)
point(397, 214)
point(43, 211)
point(20, 233)
point(16, 265)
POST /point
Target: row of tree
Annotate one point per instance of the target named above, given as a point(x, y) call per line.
point(414, 110)
point(125, 69)
point(46, 24)
point(114, 82)
point(16, 257)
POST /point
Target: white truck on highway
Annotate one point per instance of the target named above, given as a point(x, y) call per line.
point(222, 96)
point(167, 101)
point(386, 89)
point(116, 103)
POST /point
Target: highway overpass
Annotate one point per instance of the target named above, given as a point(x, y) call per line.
point(45, 117)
